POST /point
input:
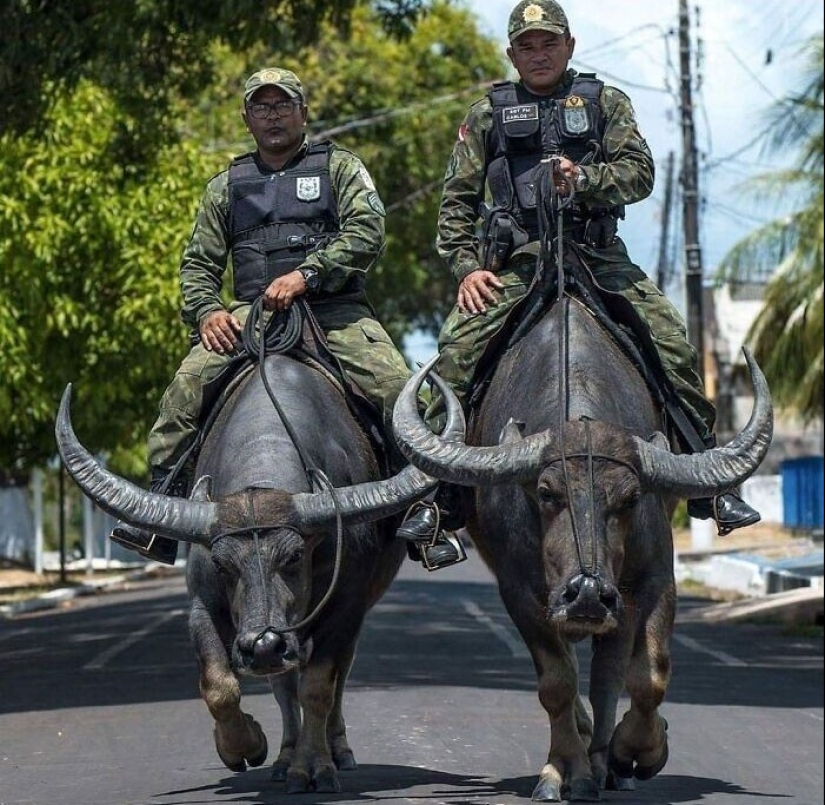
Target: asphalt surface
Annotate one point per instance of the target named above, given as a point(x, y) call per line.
point(99, 706)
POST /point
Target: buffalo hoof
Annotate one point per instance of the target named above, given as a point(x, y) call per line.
point(232, 765)
point(646, 772)
point(326, 782)
point(582, 790)
point(297, 782)
point(546, 791)
point(279, 770)
point(598, 767)
point(624, 769)
point(238, 761)
point(616, 783)
point(258, 760)
point(346, 761)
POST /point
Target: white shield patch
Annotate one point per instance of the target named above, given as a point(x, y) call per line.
point(576, 120)
point(309, 188)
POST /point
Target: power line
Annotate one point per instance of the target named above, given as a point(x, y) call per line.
point(733, 154)
point(388, 114)
point(602, 46)
point(750, 72)
point(737, 215)
point(590, 69)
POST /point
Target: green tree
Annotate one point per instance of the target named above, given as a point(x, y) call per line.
point(88, 291)
point(787, 335)
point(147, 53)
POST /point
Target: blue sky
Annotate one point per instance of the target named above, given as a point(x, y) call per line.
point(746, 60)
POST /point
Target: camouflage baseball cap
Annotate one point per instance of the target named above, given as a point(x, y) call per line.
point(537, 15)
point(274, 77)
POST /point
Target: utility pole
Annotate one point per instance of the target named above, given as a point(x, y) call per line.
point(662, 273)
point(690, 194)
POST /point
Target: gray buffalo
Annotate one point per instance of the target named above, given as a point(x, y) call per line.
point(280, 575)
point(574, 488)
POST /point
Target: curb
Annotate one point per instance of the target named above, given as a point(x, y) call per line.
point(794, 607)
point(54, 598)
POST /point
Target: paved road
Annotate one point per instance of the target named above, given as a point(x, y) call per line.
point(99, 706)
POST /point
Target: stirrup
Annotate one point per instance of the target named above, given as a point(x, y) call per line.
point(145, 544)
point(726, 521)
point(721, 530)
point(444, 550)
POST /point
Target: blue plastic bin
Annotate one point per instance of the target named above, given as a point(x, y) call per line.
point(802, 492)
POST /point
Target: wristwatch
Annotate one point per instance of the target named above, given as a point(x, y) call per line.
point(311, 278)
point(581, 180)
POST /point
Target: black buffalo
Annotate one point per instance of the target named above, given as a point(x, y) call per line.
point(575, 486)
point(268, 552)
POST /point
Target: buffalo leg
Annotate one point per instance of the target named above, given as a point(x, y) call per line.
point(611, 655)
point(285, 689)
point(312, 765)
point(639, 744)
point(567, 774)
point(342, 753)
point(239, 739)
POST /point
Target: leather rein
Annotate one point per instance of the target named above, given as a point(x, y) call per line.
point(558, 203)
point(277, 336)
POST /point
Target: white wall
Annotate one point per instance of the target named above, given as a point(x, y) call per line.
point(764, 493)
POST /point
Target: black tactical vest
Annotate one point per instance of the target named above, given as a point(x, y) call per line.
point(527, 128)
point(277, 217)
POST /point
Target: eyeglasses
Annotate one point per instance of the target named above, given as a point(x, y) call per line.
point(261, 111)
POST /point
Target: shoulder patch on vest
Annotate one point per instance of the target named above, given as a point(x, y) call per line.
point(375, 203)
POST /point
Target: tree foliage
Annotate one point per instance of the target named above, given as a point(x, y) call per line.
point(147, 53)
point(787, 335)
point(98, 199)
point(88, 287)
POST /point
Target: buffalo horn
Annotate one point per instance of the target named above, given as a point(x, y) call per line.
point(179, 518)
point(453, 460)
point(720, 468)
point(362, 503)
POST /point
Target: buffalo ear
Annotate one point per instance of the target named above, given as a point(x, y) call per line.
point(658, 439)
point(512, 432)
point(202, 490)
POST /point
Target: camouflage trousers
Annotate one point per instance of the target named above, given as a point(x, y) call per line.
point(365, 350)
point(464, 336)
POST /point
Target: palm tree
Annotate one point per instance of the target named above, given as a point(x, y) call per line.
point(787, 336)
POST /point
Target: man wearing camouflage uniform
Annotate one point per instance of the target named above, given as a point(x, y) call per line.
point(297, 218)
point(590, 128)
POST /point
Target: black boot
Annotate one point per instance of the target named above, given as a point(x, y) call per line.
point(421, 523)
point(728, 510)
point(159, 549)
point(427, 542)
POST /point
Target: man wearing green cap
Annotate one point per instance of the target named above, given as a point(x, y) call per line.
point(298, 219)
point(590, 129)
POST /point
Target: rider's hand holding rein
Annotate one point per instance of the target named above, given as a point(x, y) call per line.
point(282, 291)
point(565, 175)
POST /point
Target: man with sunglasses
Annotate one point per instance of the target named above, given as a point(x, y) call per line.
point(298, 219)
